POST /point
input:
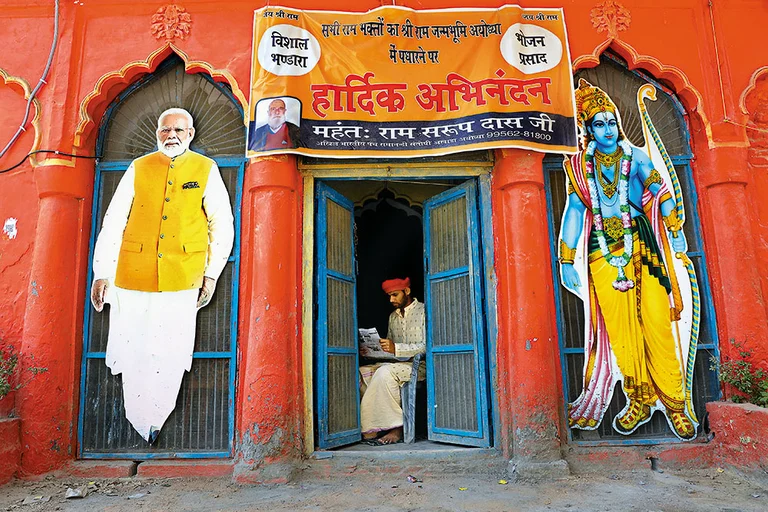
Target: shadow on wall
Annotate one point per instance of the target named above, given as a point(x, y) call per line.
point(390, 243)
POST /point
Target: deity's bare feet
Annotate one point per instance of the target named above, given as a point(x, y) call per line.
point(369, 436)
point(393, 436)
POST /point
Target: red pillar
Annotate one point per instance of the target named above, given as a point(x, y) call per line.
point(528, 378)
point(731, 241)
point(51, 346)
point(270, 393)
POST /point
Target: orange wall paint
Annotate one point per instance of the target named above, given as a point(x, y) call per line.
point(104, 46)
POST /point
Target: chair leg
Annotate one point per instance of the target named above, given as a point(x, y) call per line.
point(408, 403)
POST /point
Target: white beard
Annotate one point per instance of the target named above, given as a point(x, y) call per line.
point(276, 122)
point(174, 151)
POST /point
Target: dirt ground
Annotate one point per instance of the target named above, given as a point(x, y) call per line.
point(640, 490)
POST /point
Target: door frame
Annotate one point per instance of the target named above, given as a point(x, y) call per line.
point(381, 171)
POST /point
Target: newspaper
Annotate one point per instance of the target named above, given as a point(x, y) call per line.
point(370, 346)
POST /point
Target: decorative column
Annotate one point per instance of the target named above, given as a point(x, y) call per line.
point(731, 241)
point(757, 134)
point(52, 342)
point(270, 394)
point(528, 370)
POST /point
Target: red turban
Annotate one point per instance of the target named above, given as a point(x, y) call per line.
point(393, 285)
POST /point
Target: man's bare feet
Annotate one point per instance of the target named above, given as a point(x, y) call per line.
point(369, 436)
point(393, 436)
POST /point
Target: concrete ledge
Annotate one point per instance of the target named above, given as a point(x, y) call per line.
point(531, 471)
point(598, 459)
point(10, 448)
point(264, 473)
point(197, 468)
point(100, 468)
point(402, 462)
point(740, 434)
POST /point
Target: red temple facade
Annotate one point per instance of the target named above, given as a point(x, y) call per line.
point(701, 54)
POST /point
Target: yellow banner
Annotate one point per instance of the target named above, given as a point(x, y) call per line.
point(394, 82)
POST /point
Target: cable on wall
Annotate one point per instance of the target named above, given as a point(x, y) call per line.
point(47, 151)
point(40, 83)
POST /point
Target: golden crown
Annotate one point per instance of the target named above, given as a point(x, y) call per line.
point(591, 100)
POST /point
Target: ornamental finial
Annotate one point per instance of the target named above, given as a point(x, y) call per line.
point(610, 16)
point(171, 22)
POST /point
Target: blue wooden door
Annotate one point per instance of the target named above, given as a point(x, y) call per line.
point(336, 357)
point(457, 382)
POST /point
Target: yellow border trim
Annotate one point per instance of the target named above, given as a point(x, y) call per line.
point(386, 172)
point(9, 80)
point(752, 84)
point(57, 162)
point(310, 174)
point(307, 320)
point(146, 64)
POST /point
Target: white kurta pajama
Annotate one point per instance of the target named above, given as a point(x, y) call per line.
point(380, 408)
point(152, 334)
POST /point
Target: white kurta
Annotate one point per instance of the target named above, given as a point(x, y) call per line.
point(380, 408)
point(152, 334)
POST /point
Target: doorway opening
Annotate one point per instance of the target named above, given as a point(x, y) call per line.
point(368, 231)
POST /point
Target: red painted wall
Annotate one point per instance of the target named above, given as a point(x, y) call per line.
point(740, 432)
point(703, 53)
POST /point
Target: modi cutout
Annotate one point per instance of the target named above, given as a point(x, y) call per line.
point(165, 239)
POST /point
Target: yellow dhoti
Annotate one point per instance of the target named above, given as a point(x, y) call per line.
point(639, 326)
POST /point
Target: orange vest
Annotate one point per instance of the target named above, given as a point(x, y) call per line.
point(165, 242)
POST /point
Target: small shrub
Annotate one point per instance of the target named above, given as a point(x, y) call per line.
point(751, 382)
point(8, 364)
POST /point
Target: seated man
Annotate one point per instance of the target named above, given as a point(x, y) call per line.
point(380, 410)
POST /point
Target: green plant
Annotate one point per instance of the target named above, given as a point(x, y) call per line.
point(751, 382)
point(8, 364)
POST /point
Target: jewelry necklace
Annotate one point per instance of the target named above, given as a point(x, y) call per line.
point(622, 283)
point(608, 161)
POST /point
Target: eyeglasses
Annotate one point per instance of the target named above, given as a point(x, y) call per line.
point(167, 131)
point(277, 109)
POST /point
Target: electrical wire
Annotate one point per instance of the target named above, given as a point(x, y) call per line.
point(39, 84)
point(717, 57)
point(48, 151)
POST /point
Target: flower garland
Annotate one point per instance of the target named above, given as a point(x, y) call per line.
point(622, 283)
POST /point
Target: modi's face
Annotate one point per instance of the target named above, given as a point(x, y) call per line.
point(174, 134)
point(276, 114)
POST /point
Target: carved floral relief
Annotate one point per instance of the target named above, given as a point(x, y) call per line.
point(171, 22)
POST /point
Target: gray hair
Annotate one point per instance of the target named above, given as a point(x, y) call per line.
point(175, 111)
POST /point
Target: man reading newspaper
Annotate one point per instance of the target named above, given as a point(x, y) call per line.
point(381, 415)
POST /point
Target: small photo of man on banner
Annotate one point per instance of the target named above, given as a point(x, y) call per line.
point(275, 125)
